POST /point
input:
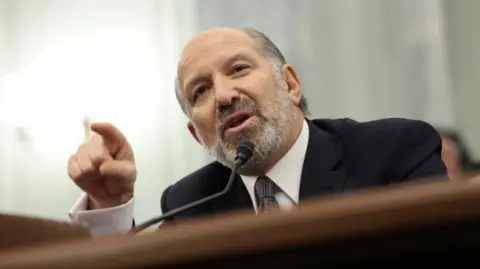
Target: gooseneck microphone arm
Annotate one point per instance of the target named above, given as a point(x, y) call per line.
point(243, 154)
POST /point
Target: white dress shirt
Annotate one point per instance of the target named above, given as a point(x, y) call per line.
point(113, 220)
point(285, 174)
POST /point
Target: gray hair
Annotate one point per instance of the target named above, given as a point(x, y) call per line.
point(269, 50)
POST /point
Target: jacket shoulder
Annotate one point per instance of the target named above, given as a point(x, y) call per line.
point(387, 128)
point(396, 147)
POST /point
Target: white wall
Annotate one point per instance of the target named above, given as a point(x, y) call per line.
point(4, 33)
point(111, 60)
point(364, 59)
point(464, 43)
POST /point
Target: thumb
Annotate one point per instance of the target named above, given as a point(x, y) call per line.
point(114, 139)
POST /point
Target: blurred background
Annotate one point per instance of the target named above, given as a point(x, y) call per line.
point(67, 63)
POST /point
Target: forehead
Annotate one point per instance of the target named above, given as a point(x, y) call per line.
point(213, 47)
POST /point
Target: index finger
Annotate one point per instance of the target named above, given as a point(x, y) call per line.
point(97, 150)
point(113, 138)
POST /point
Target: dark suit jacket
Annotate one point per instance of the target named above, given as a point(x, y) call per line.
point(342, 155)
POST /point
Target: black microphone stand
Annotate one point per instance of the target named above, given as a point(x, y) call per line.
point(244, 153)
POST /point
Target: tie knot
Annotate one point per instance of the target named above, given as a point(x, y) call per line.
point(264, 187)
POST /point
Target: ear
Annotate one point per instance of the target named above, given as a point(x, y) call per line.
point(193, 132)
point(292, 82)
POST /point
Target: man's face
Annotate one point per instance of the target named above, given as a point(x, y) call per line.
point(232, 94)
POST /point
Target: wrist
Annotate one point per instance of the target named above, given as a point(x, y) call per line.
point(98, 204)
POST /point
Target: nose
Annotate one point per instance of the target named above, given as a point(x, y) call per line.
point(225, 93)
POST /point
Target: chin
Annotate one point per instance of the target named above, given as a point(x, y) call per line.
point(246, 135)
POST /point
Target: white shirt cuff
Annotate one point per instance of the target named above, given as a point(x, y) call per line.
point(107, 221)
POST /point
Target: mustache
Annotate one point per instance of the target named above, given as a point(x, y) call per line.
point(238, 105)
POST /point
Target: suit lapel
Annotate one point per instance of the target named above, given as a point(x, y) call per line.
point(322, 172)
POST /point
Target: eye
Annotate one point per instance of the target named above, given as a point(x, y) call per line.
point(239, 68)
point(199, 91)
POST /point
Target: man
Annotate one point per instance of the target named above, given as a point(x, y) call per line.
point(455, 156)
point(451, 157)
point(235, 85)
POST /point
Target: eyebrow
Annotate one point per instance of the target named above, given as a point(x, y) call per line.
point(233, 58)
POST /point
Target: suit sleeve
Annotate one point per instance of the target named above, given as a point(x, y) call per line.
point(417, 154)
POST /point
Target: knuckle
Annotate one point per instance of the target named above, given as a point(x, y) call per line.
point(72, 174)
point(82, 148)
point(89, 170)
point(72, 159)
point(97, 160)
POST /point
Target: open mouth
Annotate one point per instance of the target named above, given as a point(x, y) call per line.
point(238, 121)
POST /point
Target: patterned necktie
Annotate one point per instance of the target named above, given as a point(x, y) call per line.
point(264, 188)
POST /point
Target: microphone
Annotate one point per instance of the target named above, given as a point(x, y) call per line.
point(243, 154)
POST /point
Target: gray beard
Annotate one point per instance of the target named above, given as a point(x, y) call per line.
point(268, 137)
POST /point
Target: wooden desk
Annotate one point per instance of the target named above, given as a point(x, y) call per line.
point(392, 227)
point(18, 231)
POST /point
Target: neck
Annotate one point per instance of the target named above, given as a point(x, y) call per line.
point(290, 139)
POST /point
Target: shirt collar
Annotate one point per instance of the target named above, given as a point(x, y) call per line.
point(287, 172)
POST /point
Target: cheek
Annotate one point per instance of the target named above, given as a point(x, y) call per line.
point(204, 121)
point(259, 87)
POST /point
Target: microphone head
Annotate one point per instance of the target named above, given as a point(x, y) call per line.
point(244, 152)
